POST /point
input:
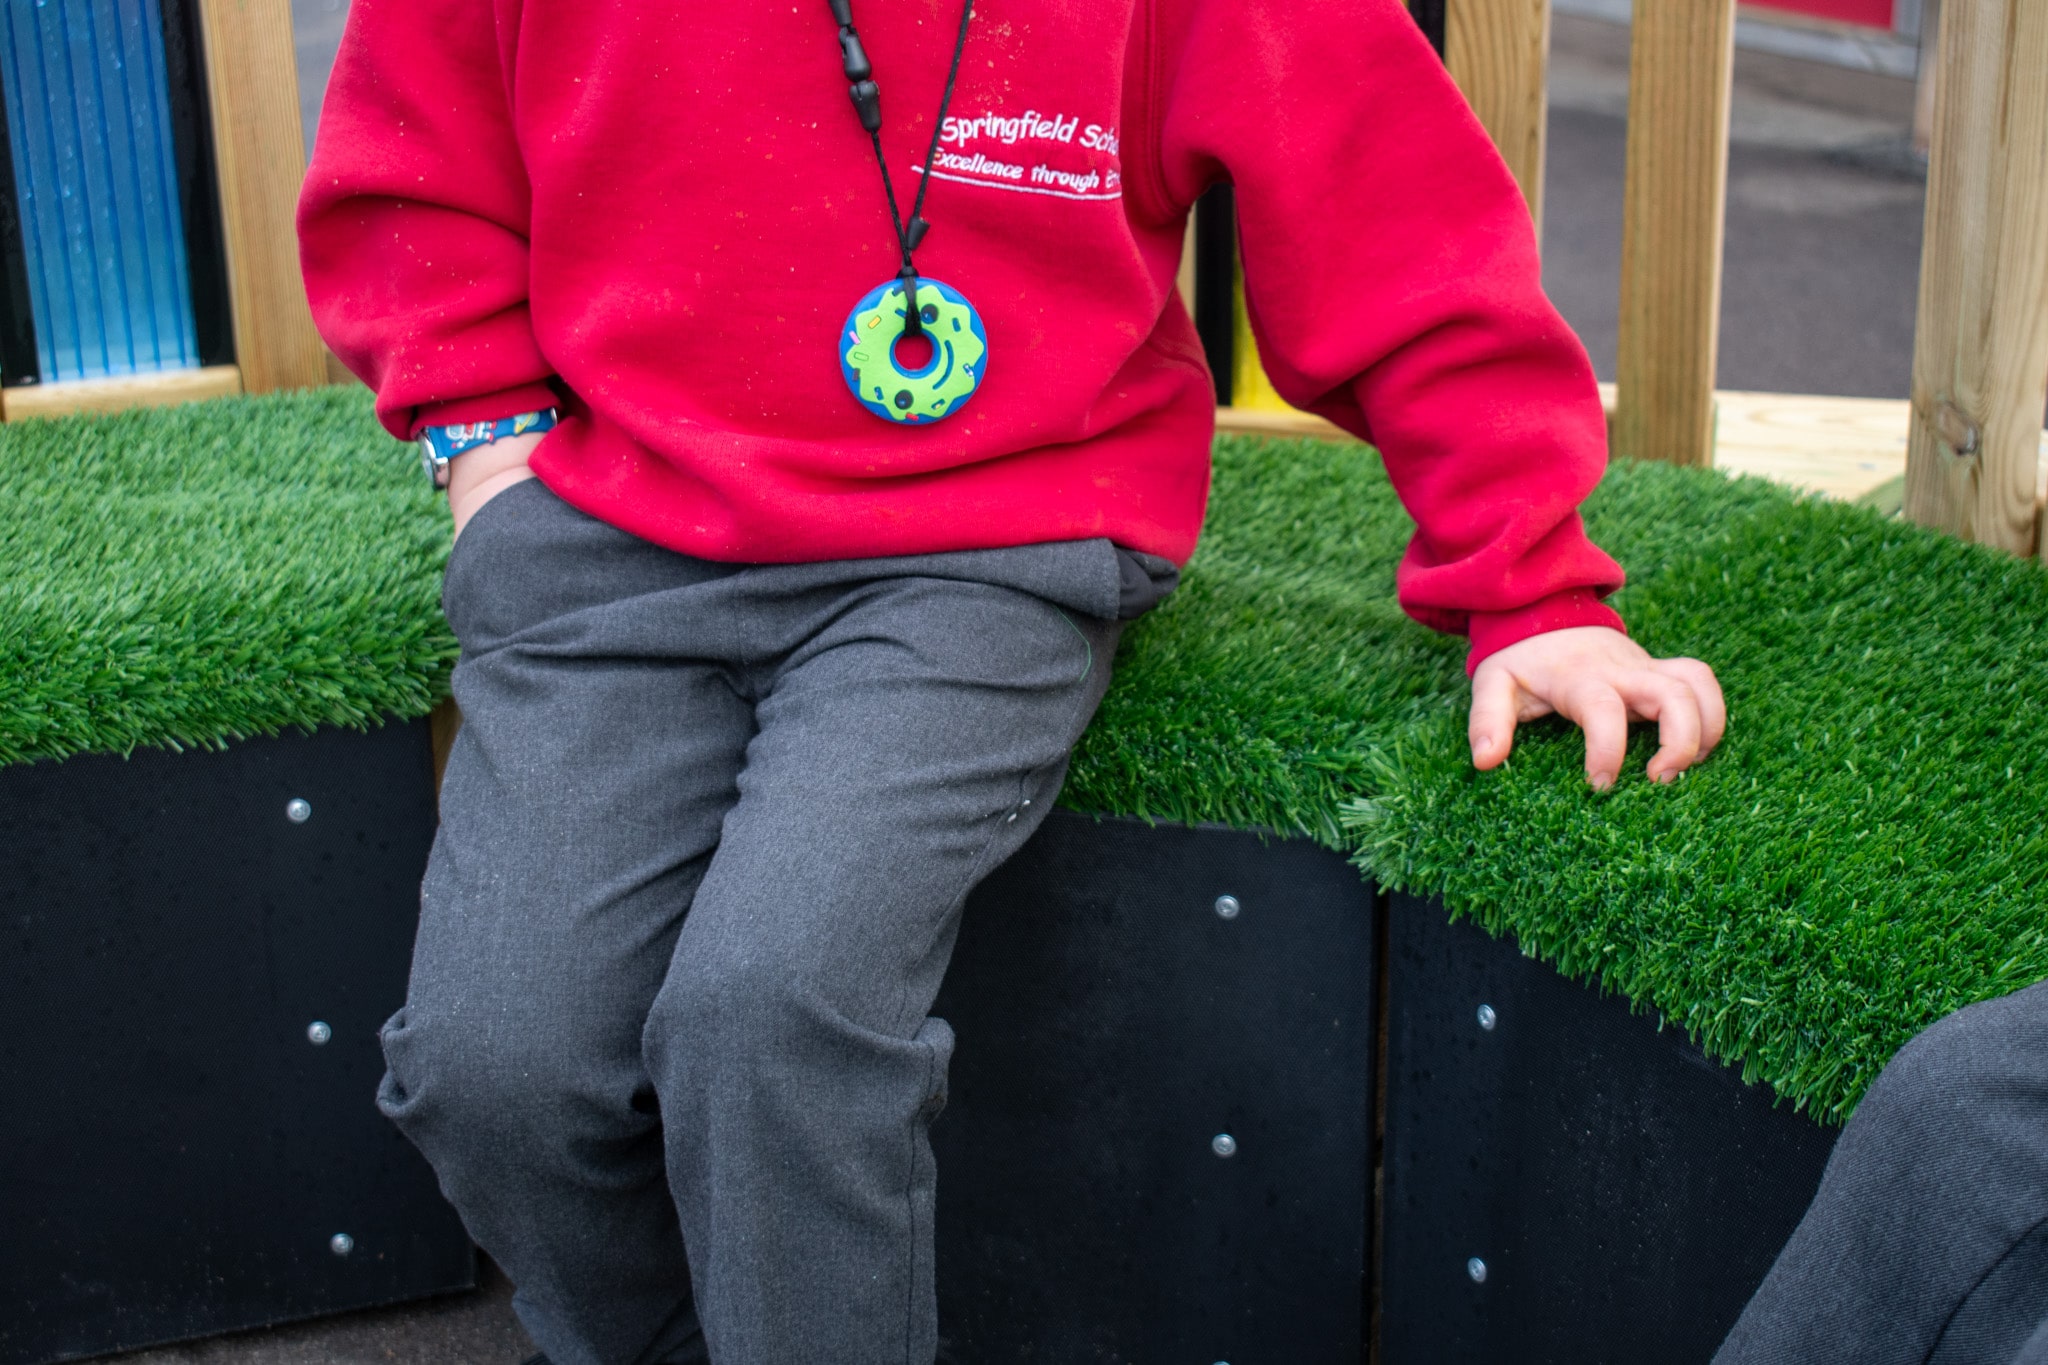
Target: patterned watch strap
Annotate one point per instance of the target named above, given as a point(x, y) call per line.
point(439, 445)
point(450, 441)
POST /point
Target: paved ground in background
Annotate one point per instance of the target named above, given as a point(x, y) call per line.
point(1824, 220)
point(1824, 217)
point(316, 30)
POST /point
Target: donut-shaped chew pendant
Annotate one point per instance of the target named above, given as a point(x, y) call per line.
point(959, 359)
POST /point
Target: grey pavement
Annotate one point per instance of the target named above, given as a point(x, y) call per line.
point(316, 33)
point(1825, 205)
point(1824, 222)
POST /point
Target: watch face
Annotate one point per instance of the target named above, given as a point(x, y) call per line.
point(428, 463)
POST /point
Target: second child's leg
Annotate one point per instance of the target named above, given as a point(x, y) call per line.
point(912, 733)
point(1926, 1242)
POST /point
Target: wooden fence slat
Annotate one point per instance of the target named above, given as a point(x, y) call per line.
point(161, 388)
point(253, 86)
point(1184, 278)
point(1980, 363)
point(1681, 66)
point(1498, 52)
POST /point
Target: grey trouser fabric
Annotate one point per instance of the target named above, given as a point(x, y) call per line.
point(1928, 1241)
point(704, 840)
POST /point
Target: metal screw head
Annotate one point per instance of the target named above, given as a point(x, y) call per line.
point(341, 1244)
point(1227, 907)
point(298, 810)
point(1476, 1268)
point(1487, 1018)
point(1223, 1144)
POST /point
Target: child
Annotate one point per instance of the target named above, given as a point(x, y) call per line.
point(778, 641)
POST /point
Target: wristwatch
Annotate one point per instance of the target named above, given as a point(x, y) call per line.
point(439, 445)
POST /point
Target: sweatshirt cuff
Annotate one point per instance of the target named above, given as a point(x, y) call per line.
point(1493, 631)
point(488, 407)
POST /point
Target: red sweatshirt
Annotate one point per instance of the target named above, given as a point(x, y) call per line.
point(660, 218)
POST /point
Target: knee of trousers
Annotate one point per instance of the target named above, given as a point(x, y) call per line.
point(1969, 1087)
point(526, 1088)
point(760, 1033)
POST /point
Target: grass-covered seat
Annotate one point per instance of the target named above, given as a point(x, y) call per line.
point(1867, 851)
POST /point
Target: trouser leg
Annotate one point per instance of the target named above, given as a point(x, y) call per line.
point(1928, 1239)
point(2035, 1352)
point(907, 745)
point(580, 807)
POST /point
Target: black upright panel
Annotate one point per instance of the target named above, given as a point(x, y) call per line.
point(19, 363)
point(1156, 1146)
point(1564, 1182)
point(1430, 15)
point(206, 257)
point(1216, 285)
point(191, 983)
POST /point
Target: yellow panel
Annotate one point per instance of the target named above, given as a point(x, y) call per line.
point(1249, 387)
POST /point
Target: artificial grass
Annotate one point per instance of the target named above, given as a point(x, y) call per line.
point(191, 575)
point(1865, 853)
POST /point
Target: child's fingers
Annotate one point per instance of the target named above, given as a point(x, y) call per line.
point(1670, 702)
point(1492, 727)
point(1599, 710)
point(1706, 690)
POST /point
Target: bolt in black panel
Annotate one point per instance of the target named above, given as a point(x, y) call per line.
point(1111, 1024)
point(178, 1152)
point(1625, 1193)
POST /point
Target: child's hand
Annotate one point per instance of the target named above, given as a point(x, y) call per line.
point(1601, 680)
point(477, 476)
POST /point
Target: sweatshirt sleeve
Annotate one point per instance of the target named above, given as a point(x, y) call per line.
point(1392, 280)
point(413, 221)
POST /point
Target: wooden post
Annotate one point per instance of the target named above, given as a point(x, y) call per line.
point(1184, 278)
point(1681, 66)
point(1498, 52)
point(252, 83)
point(1927, 76)
point(1980, 356)
point(158, 389)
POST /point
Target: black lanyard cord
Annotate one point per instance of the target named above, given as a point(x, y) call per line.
point(945, 102)
point(895, 217)
point(867, 102)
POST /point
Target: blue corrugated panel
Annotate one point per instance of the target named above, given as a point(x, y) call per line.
point(88, 117)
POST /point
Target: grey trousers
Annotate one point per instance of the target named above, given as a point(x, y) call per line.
point(1928, 1241)
point(704, 840)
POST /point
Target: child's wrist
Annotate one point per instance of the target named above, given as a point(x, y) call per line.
point(468, 471)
